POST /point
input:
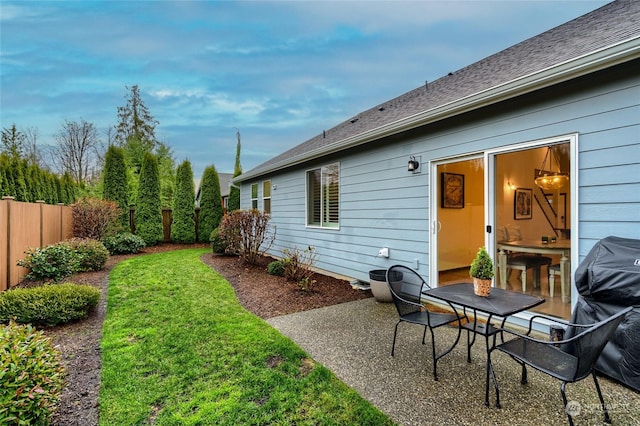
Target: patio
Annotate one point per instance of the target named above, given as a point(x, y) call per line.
point(354, 341)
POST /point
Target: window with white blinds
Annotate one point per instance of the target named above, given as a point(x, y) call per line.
point(323, 190)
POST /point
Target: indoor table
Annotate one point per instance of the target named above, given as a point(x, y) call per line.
point(561, 247)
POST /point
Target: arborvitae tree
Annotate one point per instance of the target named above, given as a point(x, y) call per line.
point(19, 184)
point(68, 189)
point(58, 186)
point(233, 202)
point(35, 183)
point(53, 189)
point(4, 168)
point(115, 183)
point(183, 228)
point(210, 204)
point(148, 216)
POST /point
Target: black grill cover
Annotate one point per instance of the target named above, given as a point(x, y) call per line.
point(611, 272)
point(620, 359)
point(608, 280)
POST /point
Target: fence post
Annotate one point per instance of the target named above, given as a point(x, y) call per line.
point(7, 229)
point(41, 202)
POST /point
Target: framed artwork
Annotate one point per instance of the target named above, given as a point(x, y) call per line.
point(522, 206)
point(452, 191)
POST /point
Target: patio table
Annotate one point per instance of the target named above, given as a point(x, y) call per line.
point(500, 303)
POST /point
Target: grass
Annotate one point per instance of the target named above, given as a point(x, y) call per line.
point(178, 349)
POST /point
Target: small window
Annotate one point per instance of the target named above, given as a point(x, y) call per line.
point(254, 196)
point(323, 188)
point(266, 196)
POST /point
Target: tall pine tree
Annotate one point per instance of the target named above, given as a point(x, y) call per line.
point(183, 227)
point(210, 204)
point(234, 193)
point(148, 208)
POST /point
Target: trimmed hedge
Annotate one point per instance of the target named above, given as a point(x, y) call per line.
point(48, 304)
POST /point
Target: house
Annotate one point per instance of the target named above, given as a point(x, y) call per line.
point(426, 178)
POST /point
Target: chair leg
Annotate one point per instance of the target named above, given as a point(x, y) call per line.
point(433, 353)
point(393, 346)
point(564, 402)
point(491, 374)
point(607, 419)
point(424, 334)
point(552, 282)
point(524, 280)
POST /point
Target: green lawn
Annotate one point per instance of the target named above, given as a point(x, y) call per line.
point(178, 349)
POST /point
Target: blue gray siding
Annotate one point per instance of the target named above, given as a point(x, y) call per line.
point(383, 205)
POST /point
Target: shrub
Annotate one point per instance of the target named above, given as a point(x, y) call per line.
point(297, 266)
point(92, 255)
point(124, 243)
point(53, 262)
point(277, 267)
point(95, 218)
point(32, 376)
point(217, 243)
point(48, 304)
point(246, 233)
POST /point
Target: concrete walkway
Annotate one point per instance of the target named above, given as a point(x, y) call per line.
point(354, 340)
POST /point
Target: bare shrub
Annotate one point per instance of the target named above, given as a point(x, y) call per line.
point(298, 264)
point(94, 218)
point(247, 233)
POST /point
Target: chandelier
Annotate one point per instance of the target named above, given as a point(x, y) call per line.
point(549, 180)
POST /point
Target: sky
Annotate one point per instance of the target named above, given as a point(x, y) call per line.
point(276, 72)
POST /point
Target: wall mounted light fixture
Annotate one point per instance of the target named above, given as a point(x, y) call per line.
point(413, 165)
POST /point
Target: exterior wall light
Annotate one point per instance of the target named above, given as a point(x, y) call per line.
point(414, 164)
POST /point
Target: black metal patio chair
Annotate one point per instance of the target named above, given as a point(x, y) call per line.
point(569, 360)
point(406, 287)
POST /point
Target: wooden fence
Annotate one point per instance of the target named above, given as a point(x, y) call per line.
point(28, 225)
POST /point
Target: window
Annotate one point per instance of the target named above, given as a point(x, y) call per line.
point(323, 187)
point(266, 196)
point(254, 196)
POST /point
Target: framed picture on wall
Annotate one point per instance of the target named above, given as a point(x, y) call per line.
point(522, 204)
point(452, 191)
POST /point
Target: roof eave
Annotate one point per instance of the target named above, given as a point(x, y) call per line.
point(609, 56)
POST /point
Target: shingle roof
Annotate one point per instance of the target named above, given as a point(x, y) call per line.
point(602, 28)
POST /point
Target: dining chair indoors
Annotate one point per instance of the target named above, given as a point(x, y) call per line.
point(406, 287)
point(569, 360)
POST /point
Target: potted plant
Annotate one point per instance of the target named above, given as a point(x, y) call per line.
point(482, 270)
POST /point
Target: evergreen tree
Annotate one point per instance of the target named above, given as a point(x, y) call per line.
point(210, 204)
point(53, 190)
point(234, 193)
point(183, 228)
point(135, 122)
point(19, 184)
point(148, 216)
point(35, 184)
point(4, 168)
point(68, 189)
point(115, 183)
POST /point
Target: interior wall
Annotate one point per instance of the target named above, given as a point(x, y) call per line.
point(461, 230)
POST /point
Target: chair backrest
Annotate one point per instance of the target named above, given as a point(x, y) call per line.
point(406, 287)
point(588, 344)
